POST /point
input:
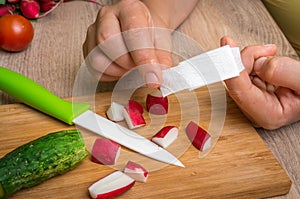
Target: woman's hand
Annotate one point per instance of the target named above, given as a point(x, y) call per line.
point(123, 37)
point(268, 90)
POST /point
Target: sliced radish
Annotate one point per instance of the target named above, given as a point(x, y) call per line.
point(166, 136)
point(132, 104)
point(136, 171)
point(156, 103)
point(133, 117)
point(115, 112)
point(111, 186)
point(198, 136)
point(105, 151)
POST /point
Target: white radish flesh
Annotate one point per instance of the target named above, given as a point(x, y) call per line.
point(136, 171)
point(115, 112)
point(166, 136)
point(111, 186)
point(198, 136)
point(105, 151)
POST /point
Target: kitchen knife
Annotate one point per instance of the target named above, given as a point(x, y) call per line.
point(36, 96)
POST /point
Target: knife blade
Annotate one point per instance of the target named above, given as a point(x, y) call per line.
point(36, 96)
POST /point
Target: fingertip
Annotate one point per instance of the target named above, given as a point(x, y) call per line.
point(152, 80)
point(151, 74)
point(270, 48)
point(164, 58)
point(258, 64)
point(226, 40)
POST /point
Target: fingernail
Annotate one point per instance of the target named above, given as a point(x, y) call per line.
point(151, 80)
point(269, 45)
point(258, 63)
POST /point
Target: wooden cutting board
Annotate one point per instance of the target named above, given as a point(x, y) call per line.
point(239, 165)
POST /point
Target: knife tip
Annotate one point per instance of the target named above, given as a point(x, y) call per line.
point(178, 163)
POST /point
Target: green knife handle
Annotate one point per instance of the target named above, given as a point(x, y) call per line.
point(36, 96)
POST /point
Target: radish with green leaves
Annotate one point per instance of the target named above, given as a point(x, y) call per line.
point(47, 5)
point(111, 186)
point(30, 8)
point(6, 9)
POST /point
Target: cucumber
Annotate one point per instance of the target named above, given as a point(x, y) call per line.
point(39, 160)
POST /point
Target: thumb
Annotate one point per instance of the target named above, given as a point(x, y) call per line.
point(151, 73)
point(279, 71)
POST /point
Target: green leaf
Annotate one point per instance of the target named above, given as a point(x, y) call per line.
point(2, 2)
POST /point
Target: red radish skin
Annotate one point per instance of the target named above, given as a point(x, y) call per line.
point(105, 151)
point(6, 9)
point(45, 1)
point(132, 104)
point(46, 6)
point(133, 118)
point(136, 171)
point(111, 186)
point(115, 112)
point(157, 104)
point(166, 136)
point(30, 9)
point(198, 136)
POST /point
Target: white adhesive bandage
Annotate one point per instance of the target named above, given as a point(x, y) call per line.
point(204, 69)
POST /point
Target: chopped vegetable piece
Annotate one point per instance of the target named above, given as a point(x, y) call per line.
point(157, 104)
point(132, 104)
point(166, 136)
point(198, 136)
point(133, 117)
point(115, 112)
point(105, 151)
point(111, 186)
point(136, 171)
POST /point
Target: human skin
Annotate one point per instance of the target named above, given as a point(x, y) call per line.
point(110, 54)
point(268, 91)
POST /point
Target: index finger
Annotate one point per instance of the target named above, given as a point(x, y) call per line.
point(138, 35)
point(247, 96)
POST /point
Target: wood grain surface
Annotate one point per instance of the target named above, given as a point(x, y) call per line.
point(239, 165)
point(54, 57)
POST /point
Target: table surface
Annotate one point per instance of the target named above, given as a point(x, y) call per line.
point(55, 56)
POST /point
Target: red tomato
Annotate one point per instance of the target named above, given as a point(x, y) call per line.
point(16, 32)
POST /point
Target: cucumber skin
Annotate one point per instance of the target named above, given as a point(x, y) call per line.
point(40, 159)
